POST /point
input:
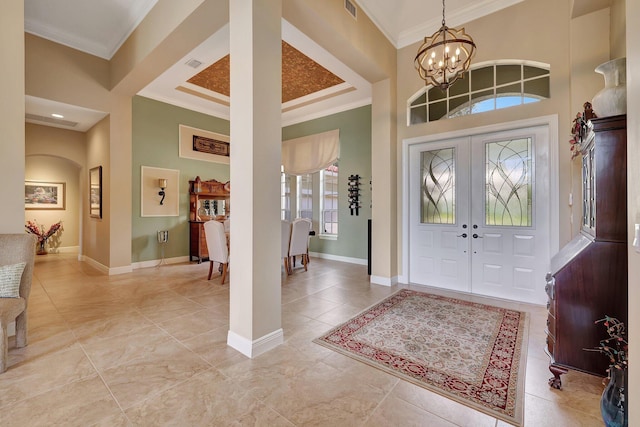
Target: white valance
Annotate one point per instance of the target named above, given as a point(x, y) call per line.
point(311, 153)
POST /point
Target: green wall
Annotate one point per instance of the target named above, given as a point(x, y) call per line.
point(355, 158)
point(155, 143)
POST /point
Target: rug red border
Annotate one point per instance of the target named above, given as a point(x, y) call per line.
point(514, 341)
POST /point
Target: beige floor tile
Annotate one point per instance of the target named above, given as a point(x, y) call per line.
point(109, 326)
point(310, 306)
point(207, 399)
point(42, 341)
point(321, 395)
point(193, 324)
point(540, 412)
point(392, 410)
point(166, 305)
point(580, 392)
point(80, 403)
point(128, 348)
point(212, 347)
point(154, 334)
point(440, 406)
point(36, 375)
point(167, 365)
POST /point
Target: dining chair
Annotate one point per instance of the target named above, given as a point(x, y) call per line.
point(284, 246)
point(217, 247)
point(299, 244)
point(17, 252)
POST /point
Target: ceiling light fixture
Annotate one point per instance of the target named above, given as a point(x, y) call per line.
point(445, 56)
point(57, 116)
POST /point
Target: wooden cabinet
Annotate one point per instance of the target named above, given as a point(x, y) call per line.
point(207, 200)
point(197, 242)
point(588, 277)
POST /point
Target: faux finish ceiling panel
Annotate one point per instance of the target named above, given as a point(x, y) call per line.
point(301, 76)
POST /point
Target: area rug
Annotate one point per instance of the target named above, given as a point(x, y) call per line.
point(469, 352)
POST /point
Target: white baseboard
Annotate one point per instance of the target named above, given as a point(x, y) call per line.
point(111, 271)
point(338, 258)
point(65, 250)
point(384, 281)
point(403, 279)
point(257, 347)
point(95, 264)
point(158, 262)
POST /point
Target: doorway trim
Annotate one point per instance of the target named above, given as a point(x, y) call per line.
point(551, 121)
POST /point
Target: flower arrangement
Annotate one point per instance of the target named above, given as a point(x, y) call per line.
point(33, 228)
point(616, 346)
point(579, 130)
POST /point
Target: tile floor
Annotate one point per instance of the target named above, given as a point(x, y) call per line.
point(149, 349)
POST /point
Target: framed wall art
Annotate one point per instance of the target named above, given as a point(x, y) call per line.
point(44, 195)
point(199, 144)
point(95, 192)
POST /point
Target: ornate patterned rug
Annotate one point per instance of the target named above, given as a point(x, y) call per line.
point(469, 352)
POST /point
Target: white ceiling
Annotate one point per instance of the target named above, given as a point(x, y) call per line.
point(99, 27)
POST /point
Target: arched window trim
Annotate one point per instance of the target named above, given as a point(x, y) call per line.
point(424, 89)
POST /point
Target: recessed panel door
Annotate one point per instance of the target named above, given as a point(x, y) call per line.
point(479, 214)
point(439, 222)
point(510, 214)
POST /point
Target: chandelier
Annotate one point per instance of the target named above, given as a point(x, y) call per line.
point(445, 56)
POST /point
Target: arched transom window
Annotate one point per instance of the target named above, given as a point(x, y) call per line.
point(486, 87)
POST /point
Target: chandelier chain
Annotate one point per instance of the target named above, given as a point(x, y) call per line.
point(443, 24)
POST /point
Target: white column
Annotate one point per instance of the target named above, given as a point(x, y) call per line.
point(384, 197)
point(256, 133)
point(12, 149)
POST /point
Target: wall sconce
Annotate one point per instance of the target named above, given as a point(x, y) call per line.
point(162, 183)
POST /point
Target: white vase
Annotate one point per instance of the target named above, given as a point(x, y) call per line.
point(612, 100)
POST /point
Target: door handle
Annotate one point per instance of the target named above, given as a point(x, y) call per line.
point(463, 235)
point(475, 236)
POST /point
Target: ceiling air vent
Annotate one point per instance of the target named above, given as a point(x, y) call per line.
point(193, 63)
point(45, 119)
point(351, 8)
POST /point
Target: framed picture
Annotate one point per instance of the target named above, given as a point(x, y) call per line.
point(95, 192)
point(44, 195)
point(199, 144)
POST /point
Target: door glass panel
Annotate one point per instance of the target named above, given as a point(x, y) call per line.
point(437, 189)
point(509, 183)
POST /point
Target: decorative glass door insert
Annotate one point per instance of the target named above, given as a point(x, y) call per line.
point(509, 183)
point(438, 196)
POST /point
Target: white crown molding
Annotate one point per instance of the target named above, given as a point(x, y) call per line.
point(378, 23)
point(456, 18)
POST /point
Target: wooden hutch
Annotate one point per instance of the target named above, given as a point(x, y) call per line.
point(588, 277)
point(207, 200)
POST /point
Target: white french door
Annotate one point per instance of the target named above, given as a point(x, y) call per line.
point(478, 214)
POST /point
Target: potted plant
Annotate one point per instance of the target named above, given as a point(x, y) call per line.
point(613, 403)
